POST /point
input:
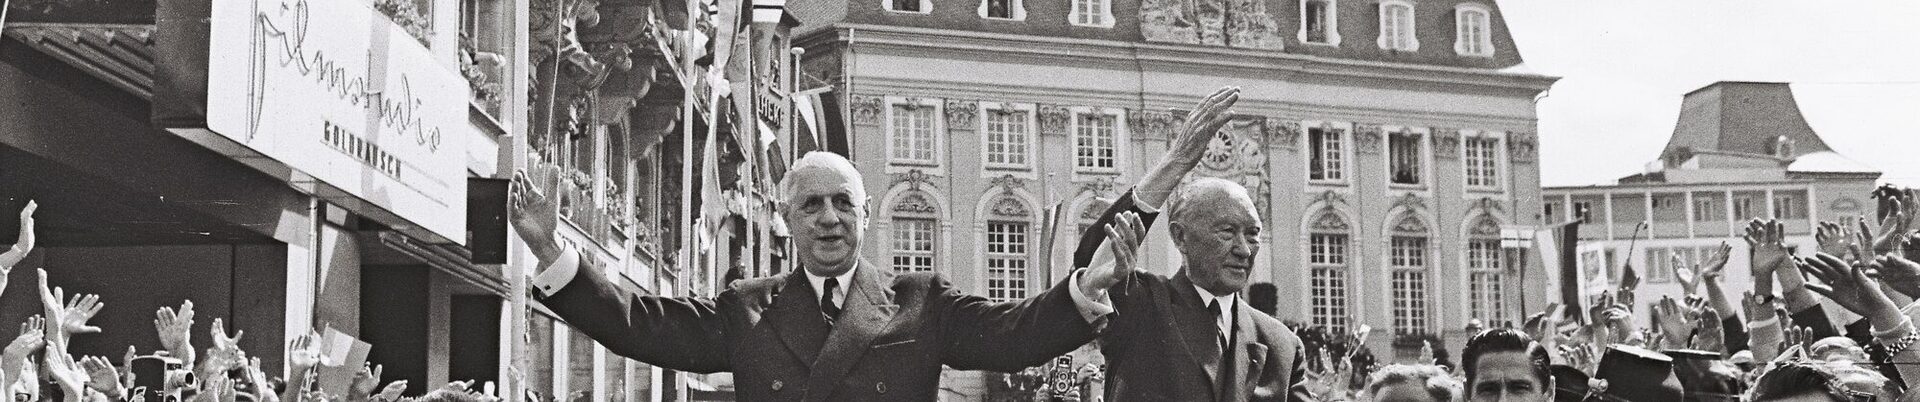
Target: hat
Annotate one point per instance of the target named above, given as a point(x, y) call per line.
point(1741, 357)
point(1569, 384)
point(1637, 374)
point(1695, 369)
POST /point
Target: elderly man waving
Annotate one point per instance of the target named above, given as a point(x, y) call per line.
point(1191, 337)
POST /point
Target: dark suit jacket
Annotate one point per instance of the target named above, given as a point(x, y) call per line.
point(1159, 343)
point(888, 344)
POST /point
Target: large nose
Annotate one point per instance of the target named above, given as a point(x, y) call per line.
point(827, 219)
point(1244, 246)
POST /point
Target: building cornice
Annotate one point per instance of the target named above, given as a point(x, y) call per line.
point(1043, 50)
point(1681, 187)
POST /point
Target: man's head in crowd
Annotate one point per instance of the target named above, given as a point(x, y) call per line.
point(825, 206)
point(1217, 229)
point(1504, 364)
point(1411, 383)
point(1814, 381)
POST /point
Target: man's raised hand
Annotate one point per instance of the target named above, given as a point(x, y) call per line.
point(176, 330)
point(1207, 118)
point(535, 214)
point(21, 247)
point(1124, 234)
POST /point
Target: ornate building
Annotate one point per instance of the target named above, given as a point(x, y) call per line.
point(1395, 179)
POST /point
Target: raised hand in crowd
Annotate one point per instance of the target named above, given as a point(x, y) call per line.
point(225, 354)
point(392, 391)
point(303, 354)
point(1708, 335)
point(67, 373)
point(176, 331)
point(1674, 323)
point(1768, 252)
point(21, 247)
point(19, 354)
point(364, 383)
point(1850, 287)
point(69, 318)
point(1899, 273)
point(102, 376)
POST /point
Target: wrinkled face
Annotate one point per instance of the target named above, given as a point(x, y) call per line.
point(826, 214)
point(1219, 234)
point(1403, 392)
point(1506, 377)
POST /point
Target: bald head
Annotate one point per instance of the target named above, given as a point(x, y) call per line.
point(1200, 195)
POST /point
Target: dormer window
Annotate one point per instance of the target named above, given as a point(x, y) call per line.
point(1472, 36)
point(1319, 24)
point(1092, 13)
point(1396, 26)
point(1003, 10)
point(908, 6)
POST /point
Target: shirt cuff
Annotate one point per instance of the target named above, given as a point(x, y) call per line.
point(1142, 205)
point(1091, 308)
point(557, 275)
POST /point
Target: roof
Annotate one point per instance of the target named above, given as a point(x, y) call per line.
point(1740, 117)
point(1828, 162)
point(121, 54)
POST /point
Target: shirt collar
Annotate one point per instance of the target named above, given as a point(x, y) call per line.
point(1226, 302)
point(845, 279)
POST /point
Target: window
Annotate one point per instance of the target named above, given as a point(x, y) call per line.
point(1582, 210)
point(1095, 141)
point(1481, 160)
point(1396, 26)
point(910, 127)
point(580, 364)
point(913, 244)
point(1471, 35)
point(1003, 10)
point(1406, 158)
point(908, 6)
point(1669, 208)
point(1744, 208)
point(1006, 261)
point(1319, 23)
point(1008, 135)
point(1485, 274)
point(1327, 255)
point(1409, 284)
point(1788, 206)
point(1551, 211)
point(1328, 159)
point(1706, 208)
point(1092, 13)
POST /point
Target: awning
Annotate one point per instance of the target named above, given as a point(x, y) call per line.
point(120, 54)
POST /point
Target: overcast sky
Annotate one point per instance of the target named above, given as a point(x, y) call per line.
point(1854, 66)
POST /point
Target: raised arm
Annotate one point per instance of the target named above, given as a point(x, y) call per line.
point(18, 251)
point(687, 334)
point(1153, 190)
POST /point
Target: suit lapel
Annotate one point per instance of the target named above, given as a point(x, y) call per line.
point(797, 318)
point(1246, 349)
point(1194, 325)
point(869, 307)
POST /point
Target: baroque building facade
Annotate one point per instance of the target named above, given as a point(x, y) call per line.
point(1390, 145)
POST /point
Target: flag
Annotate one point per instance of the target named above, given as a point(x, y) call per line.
point(1557, 248)
point(1059, 262)
point(806, 106)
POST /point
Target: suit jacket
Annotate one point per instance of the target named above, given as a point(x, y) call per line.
point(888, 344)
point(1160, 345)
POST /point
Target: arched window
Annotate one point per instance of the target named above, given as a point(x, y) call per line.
point(1328, 287)
point(914, 228)
point(1408, 286)
point(1007, 248)
point(1486, 272)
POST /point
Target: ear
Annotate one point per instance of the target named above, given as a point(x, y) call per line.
point(1178, 233)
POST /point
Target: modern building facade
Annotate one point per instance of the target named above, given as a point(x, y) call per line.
point(1390, 144)
point(1740, 151)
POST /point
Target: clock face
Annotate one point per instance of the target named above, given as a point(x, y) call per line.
point(1220, 151)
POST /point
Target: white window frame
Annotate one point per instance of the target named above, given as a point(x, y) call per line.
point(1465, 42)
point(926, 7)
point(939, 130)
point(1341, 311)
point(1425, 155)
point(894, 252)
point(1486, 299)
point(1105, 16)
point(1420, 288)
point(1023, 279)
point(1333, 23)
point(1410, 31)
point(1785, 202)
point(1346, 151)
point(1748, 206)
point(1024, 170)
point(1018, 8)
point(1120, 138)
point(1716, 211)
point(1500, 171)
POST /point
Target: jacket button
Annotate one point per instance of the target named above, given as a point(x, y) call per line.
point(880, 387)
point(777, 385)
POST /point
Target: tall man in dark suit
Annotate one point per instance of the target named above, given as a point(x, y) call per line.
point(837, 330)
point(1191, 337)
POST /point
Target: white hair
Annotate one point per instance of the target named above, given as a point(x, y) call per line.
point(824, 160)
point(1201, 187)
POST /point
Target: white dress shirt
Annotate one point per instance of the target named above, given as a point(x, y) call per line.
point(1225, 321)
point(839, 292)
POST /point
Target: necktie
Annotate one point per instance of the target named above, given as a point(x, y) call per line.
point(1219, 337)
point(827, 306)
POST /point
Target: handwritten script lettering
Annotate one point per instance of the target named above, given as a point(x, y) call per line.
point(398, 110)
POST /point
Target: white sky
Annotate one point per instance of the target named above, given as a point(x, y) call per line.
point(1854, 65)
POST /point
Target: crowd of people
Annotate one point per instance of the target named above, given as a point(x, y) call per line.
point(36, 365)
point(1775, 342)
